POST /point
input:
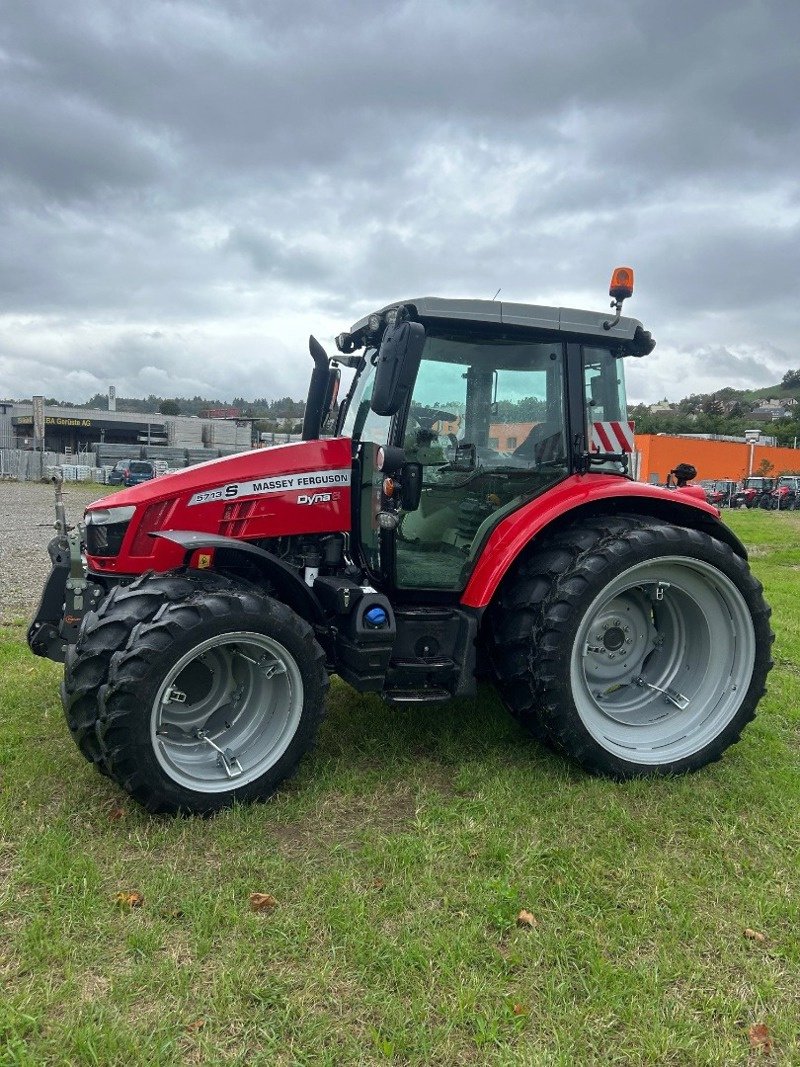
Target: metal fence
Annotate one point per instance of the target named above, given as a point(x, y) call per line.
point(27, 466)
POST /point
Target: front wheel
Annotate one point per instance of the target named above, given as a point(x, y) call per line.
point(215, 700)
point(650, 652)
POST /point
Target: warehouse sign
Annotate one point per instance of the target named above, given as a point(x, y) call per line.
point(50, 420)
point(88, 424)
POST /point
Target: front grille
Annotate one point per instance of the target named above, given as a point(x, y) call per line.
point(153, 519)
point(106, 539)
point(234, 518)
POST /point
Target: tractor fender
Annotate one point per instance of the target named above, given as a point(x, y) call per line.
point(288, 585)
point(584, 496)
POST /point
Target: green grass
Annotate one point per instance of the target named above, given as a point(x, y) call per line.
point(400, 858)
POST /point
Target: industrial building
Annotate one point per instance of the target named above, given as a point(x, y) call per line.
point(109, 434)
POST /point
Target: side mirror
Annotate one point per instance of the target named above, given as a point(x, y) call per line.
point(396, 366)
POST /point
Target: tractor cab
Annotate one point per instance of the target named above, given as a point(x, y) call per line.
point(462, 411)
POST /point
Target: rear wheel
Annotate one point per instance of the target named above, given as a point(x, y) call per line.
point(649, 652)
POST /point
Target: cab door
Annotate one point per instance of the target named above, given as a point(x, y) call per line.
point(486, 423)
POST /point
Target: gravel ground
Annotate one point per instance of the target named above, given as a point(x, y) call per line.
point(26, 526)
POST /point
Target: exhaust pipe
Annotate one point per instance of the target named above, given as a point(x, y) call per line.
point(317, 391)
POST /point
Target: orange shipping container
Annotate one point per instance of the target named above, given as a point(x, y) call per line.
point(658, 455)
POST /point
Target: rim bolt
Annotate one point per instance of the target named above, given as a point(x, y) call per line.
point(611, 655)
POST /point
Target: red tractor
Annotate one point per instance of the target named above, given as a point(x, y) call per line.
point(470, 514)
point(754, 490)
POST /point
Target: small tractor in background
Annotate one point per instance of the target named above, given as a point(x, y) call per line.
point(785, 496)
point(469, 513)
point(753, 491)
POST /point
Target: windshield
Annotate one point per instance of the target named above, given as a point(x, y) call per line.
point(360, 421)
point(141, 468)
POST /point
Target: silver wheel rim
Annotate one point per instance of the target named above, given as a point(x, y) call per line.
point(662, 660)
point(226, 712)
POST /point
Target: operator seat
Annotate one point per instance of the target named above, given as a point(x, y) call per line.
point(544, 444)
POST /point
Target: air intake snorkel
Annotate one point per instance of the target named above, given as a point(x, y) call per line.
point(317, 391)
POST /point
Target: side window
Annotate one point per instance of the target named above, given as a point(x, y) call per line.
point(486, 422)
point(604, 390)
point(436, 419)
point(604, 382)
point(528, 414)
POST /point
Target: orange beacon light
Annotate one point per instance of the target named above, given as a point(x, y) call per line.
point(621, 283)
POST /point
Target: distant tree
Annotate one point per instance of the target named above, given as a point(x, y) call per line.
point(791, 379)
point(712, 406)
point(169, 407)
point(764, 468)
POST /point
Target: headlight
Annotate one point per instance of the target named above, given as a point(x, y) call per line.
point(108, 516)
point(105, 529)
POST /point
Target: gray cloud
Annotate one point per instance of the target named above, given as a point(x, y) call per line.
point(187, 189)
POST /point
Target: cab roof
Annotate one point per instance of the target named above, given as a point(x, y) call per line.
point(535, 316)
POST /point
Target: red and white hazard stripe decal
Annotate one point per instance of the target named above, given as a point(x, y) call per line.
point(612, 437)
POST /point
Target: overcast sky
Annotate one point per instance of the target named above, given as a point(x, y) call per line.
point(188, 189)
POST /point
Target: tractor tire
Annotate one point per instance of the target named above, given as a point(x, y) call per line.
point(646, 655)
point(213, 697)
point(104, 632)
point(515, 611)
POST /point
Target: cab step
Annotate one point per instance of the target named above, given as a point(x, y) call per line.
point(416, 696)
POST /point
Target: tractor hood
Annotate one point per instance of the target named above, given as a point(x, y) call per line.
point(269, 492)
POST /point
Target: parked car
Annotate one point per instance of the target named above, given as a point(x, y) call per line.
point(116, 476)
point(139, 470)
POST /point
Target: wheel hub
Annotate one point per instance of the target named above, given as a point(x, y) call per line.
point(227, 710)
point(614, 638)
point(621, 636)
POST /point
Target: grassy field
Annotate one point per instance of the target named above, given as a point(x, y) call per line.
point(399, 859)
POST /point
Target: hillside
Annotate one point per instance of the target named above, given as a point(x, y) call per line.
point(775, 410)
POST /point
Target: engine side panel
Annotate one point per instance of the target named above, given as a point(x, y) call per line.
point(301, 488)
